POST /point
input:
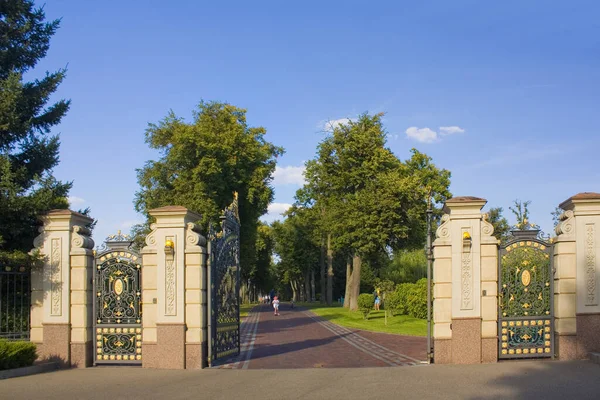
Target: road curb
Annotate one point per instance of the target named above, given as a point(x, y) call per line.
point(25, 371)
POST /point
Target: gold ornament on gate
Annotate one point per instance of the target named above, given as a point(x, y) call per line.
point(526, 278)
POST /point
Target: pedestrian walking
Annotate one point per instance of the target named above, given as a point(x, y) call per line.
point(275, 306)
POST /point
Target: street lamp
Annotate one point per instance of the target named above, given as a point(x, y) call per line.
point(429, 253)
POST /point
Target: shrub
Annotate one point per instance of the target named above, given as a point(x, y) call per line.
point(402, 291)
point(392, 303)
point(16, 354)
point(365, 304)
point(416, 299)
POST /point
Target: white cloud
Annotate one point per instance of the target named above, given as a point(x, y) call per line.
point(288, 175)
point(449, 130)
point(330, 125)
point(274, 212)
point(278, 208)
point(75, 201)
point(423, 135)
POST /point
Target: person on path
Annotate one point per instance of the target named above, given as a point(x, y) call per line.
point(275, 306)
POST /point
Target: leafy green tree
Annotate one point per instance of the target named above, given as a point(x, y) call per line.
point(406, 266)
point(260, 275)
point(372, 199)
point(204, 162)
point(28, 151)
point(500, 224)
point(298, 253)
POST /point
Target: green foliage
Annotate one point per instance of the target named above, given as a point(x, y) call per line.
point(365, 304)
point(416, 299)
point(295, 244)
point(204, 162)
point(521, 212)
point(392, 303)
point(27, 153)
point(556, 215)
point(16, 354)
point(406, 266)
point(410, 299)
point(500, 224)
point(402, 291)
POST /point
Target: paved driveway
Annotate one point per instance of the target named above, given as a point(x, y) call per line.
point(299, 339)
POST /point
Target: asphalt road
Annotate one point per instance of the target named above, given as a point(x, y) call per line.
point(514, 380)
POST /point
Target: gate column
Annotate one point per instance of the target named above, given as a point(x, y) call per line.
point(465, 285)
point(173, 272)
point(61, 298)
point(577, 272)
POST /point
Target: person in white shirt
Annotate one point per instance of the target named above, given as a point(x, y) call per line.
point(276, 305)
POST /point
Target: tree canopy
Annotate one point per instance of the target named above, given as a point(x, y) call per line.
point(204, 162)
point(28, 151)
point(369, 199)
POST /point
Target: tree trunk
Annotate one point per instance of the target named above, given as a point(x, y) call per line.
point(294, 290)
point(355, 283)
point(348, 293)
point(307, 285)
point(329, 272)
point(322, 262)
point(312, 286)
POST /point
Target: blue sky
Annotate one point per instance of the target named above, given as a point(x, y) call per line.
point(503, 94)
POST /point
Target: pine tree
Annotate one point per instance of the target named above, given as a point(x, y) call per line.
point(28, 151)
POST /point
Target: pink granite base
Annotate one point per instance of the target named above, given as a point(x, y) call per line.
point(169, 352)
point(56, 344)
point(466, 341)
point(588, 335)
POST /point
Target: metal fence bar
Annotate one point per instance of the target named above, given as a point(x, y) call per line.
point(15, 287)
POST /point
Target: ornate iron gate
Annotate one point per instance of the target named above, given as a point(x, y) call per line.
point(224, 278)
point(526, 304)
point(118, 303)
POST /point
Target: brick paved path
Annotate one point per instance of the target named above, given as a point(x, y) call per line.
point(300, 339)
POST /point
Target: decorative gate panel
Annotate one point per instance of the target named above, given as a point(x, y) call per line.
point(525, 315)
point(118, 301)
point(224, 278)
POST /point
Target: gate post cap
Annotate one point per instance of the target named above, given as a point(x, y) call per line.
point(464, 205)
point(583, 197)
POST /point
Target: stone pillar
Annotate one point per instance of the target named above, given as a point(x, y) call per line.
point(61, 301)
point(582, 217)
point(172, 292)
point(465, 285)
point(196, 299)
point(565, 265)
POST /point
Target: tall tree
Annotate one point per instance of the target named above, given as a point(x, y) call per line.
point(372, 197)
point(28, 151)
point(204, 162)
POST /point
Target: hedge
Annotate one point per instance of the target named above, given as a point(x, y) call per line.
point(409, 298)
point(16, 354)
point(365, 304)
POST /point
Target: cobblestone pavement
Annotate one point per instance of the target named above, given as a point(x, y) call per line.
point(298, 338)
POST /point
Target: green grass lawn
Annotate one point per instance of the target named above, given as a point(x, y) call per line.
point(400, 324)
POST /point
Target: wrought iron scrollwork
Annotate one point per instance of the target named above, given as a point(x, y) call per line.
point(525, 297)
point(118, 303)
point(224, 253)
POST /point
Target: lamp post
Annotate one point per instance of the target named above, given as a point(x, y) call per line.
point(429, 261)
